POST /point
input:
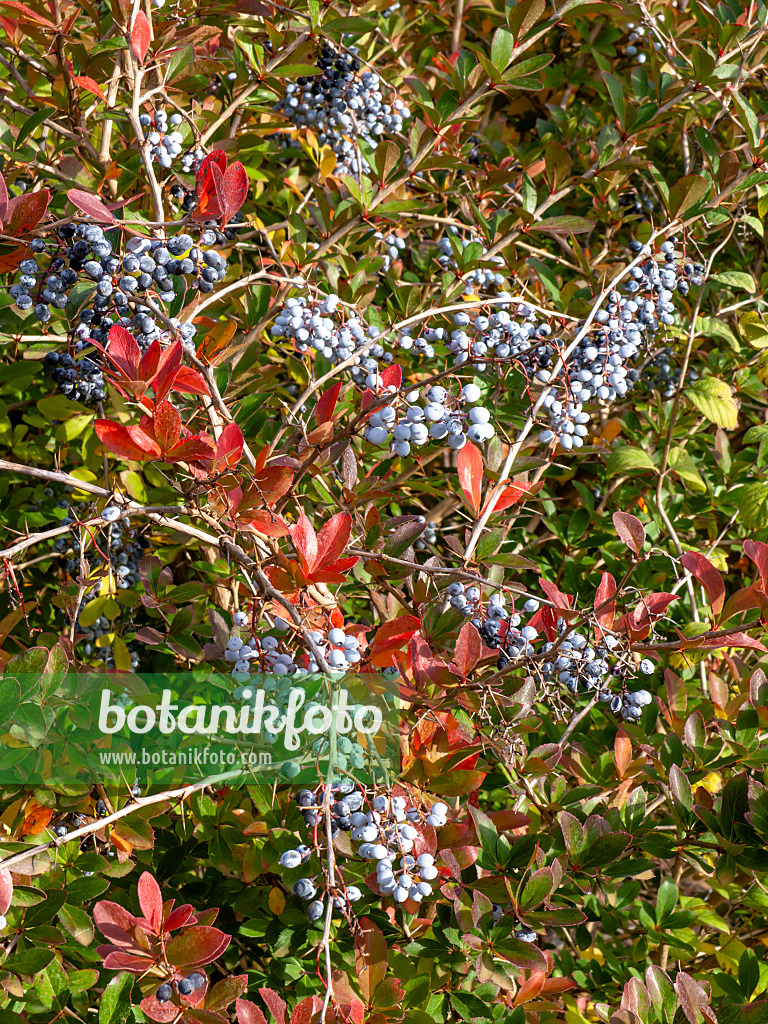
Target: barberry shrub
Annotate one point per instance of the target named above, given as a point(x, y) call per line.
point(411, 350)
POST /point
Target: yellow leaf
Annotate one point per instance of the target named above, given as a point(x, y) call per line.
point(276, 901)
point(327, 162)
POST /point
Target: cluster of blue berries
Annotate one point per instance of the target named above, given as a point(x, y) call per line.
point(341, 106)
point(269, 654)
point(81, 380)
point(310, 324)
point(49, 287)
point(393, 246)
point(481, 280)
point(164, 146)
point(443, 418)
point(636, 39)
point(185, 987)
point(575, 662)
point(601, 365)
point(661, 374)
point(385, 829)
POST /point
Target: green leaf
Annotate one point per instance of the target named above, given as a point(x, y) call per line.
point(711, 327)
point(682, 463)
point(713, 398)
point(756, 435)
point(747, 119)
point(77, 923)
point(502, 47)
point(616, 93)
point(736, 279)
point(31, 124)
point(749, 972)
point(666, 899)
point(30, 962)
point(115, 1004)
point(627, 459)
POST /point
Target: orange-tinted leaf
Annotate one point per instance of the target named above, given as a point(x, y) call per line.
point(35, 820)
point(88, 84)
point(370, 957)
point(127, 442)
point(305, 541)
point(167, 426)
point(196, 946)
point(229, 448)
point(333, 539)
point(25, 212)
point(190, 382)
point(27, 12)
point(192, 448)
point(268, 523)
point(217, 339)
point(468, 646)
point(471, 475)
point(141, 35)
point(509, 496)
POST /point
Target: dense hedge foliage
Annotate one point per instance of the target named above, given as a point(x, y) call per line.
point(417, 348)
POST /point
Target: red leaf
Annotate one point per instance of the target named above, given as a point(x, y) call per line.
point(391, 376)
point(229, 447)
point(167, 426)
point(141, 35)
point(151, 901)
point(509, 496)
point(203, 178)
point(630, 530)
point(468, 646)
point(190, 382)
point(6, 889)
point(708, 576)
point(88, 203)
point(556, 596)
point(3, 198)
point(735, 639)
point(127, 442)
point(249, 1013)
point(605, 613)
point(394, 634)
point(306, 1010)
point(25, 212)
point(370, 958)
point(27, 12)
point(333, 539)
point(196, 946)
point(234, 190)
point(119, 961)
point(191, 449)
point(758, 552)
point(123, 350)
point(327, 403)
point(305, 541)
point(275, 1004)
point(114, 922)
point(167, 368)
point(163, 1013)
point(471, 475)
point(88, 83)
point(268, 523)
